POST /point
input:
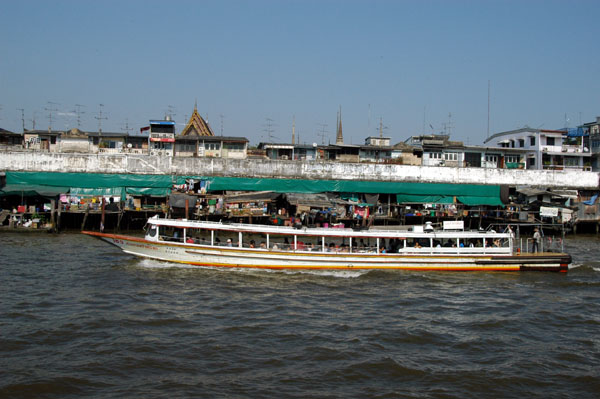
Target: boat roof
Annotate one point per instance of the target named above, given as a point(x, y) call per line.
point(321, 231)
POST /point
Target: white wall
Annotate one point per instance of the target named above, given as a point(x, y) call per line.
point(146, 164)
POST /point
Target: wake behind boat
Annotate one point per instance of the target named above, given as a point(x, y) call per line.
point(218, 244)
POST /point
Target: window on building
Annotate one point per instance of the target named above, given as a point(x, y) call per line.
point(451, 156)
point(491, 159)
point(435, 155)
point(52, 139)
point(549, 140)
point(571, 161)
point(521, 142)
point(212, 146)
point(532, 141)
point(511, 158)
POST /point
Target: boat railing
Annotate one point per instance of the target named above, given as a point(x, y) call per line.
point(342, 249)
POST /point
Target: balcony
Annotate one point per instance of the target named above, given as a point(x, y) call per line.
point(574, 149)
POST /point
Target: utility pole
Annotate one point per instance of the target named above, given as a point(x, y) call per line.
point(22, 117)
point(294, 130)
point(221, 116)
point(100, 118)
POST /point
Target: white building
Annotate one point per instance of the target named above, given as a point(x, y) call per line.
point(547, 149)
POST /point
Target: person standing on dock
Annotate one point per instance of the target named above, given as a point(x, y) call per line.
point(537, 238)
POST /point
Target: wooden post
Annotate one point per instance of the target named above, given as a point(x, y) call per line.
point(59, 211)
point(87, 212)
point(187, 208)
point(53, 213)
point(121, 212)
point(103, 216)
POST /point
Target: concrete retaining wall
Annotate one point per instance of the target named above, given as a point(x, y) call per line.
point(146, 164)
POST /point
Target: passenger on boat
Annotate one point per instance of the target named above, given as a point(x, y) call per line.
point(263, 245)
point(361, 244)
point(229, 242)
point(251, 243)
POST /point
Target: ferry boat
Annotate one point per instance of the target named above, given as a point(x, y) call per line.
point(238, 245)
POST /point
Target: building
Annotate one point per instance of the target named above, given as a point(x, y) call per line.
point(198, 140)
point(283, 151)
point(161, 139)
point(548, 149)
point(10, 140)
point(593, 130)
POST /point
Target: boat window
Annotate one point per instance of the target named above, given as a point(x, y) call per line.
point(152, 231)
point(448, 242)
point(171, 234)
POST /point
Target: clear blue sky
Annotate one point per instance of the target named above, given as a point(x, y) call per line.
point(411, 63)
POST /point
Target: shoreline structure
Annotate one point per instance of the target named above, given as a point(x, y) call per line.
point(284, 176)
point(284, 169)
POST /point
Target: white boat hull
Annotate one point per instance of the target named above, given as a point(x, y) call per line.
point(422, 259)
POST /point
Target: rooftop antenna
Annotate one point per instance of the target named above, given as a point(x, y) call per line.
point(448, 126)
point(100, 118)
point(424, 118)
point(269, 129)
point(567, 120)
point(293, 129)
point(171, 112)
point(381, 127)
point(33, 120)
point(127, 129)
point(322, 132)
point(221, 116)
point(488, 120)
point(51, 108)
point(369, 120)
point(78, 112)
point(22, 117)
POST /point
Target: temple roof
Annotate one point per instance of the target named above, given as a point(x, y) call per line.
point(197, 126)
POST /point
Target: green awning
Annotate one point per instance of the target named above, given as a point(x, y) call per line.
point(94, 184)
point(469, 194)
point(473, 200)
point(97, 192)
point(91, 180)
point(155, 192)
point(423, 199)
point(32, 190)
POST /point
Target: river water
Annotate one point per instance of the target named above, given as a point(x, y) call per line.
point(78, 318)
